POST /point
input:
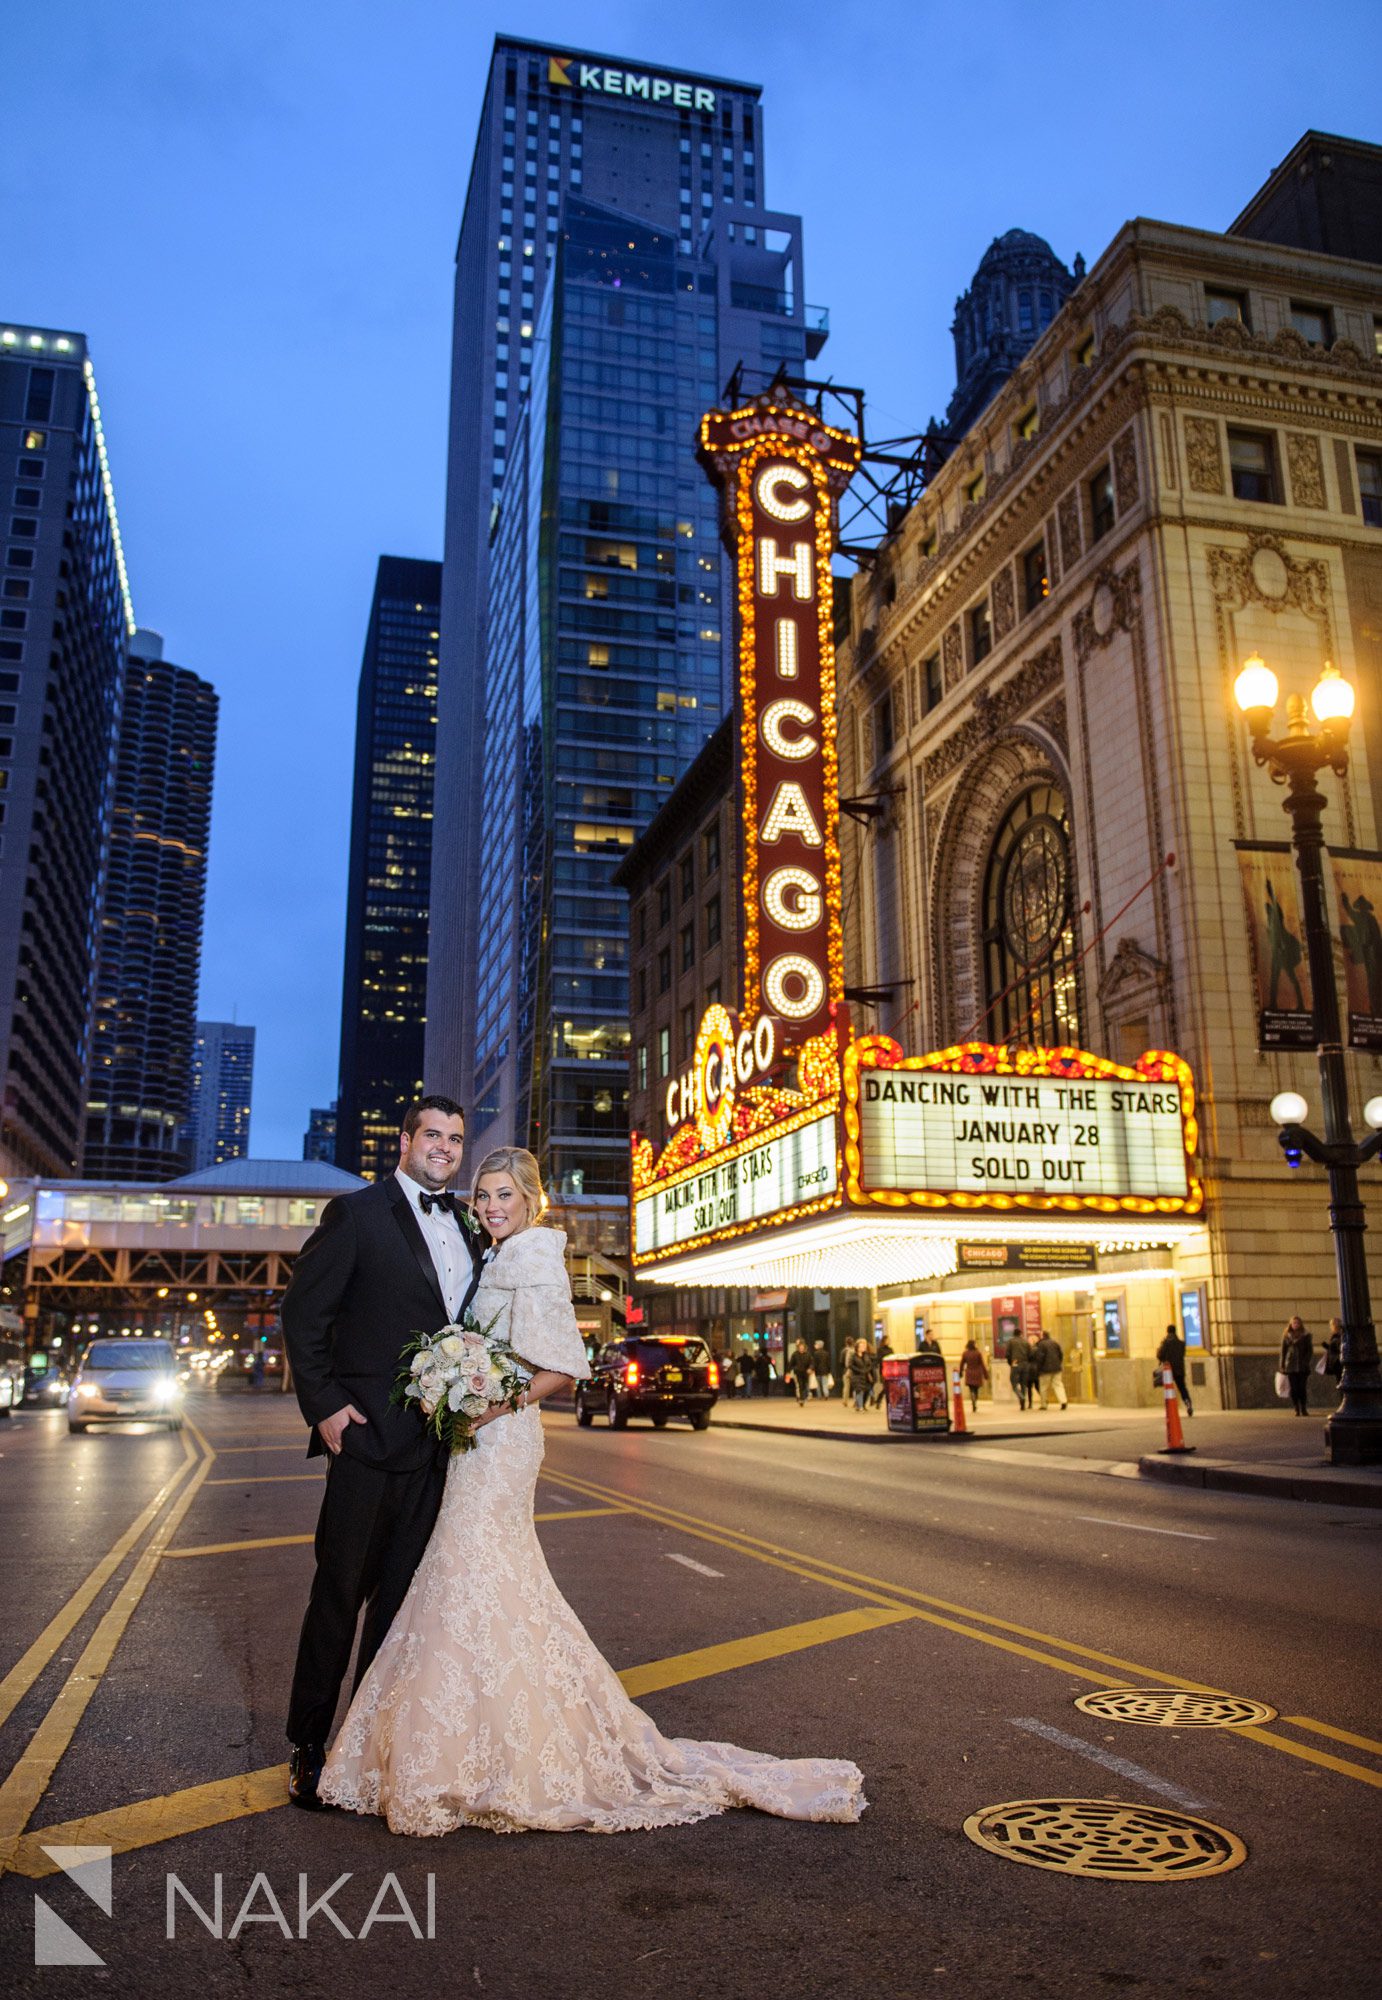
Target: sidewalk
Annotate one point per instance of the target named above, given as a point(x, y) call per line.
point(1239, 1451)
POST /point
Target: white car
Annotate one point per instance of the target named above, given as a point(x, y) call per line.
point(126, 1380)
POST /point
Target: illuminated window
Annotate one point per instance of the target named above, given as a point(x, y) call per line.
point(1086, 352)
point(974, 491)
point(1026, 425)
point(597, 656)
point(1031, 968)
point(643, 1066)
point(664, 1052)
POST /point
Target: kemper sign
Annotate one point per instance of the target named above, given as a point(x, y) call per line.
point(782, 471)
point(610, 82)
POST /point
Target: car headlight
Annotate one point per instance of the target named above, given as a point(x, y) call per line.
point(166, 1389)
point(88, 1389)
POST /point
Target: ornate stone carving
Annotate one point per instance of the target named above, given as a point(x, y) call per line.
point(1055, 722)
point(1115, 605)
point(953, 656)
point(1135, 986)
point(1004, 603)
point(1069, 517)
point(1307, 474)
point(1264, 573)
point(1125, 470)
point(995, 709)
point(1203, 455)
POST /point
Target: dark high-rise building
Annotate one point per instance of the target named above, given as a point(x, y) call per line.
point(65, 617)
point(222, 1093)
point(319, 1140)
point(149, 956)
point(1326, 195)
point(384, 997)
point(616, 266)
point(1019, 287)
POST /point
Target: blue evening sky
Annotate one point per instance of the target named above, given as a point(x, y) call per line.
point(251, 211)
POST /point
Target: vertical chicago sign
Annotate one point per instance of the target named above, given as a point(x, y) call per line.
point(753, 1133)
point(782, 472)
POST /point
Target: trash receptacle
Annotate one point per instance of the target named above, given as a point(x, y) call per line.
point(914, 1393)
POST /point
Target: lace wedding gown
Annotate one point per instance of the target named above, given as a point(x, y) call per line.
point(488, 1704)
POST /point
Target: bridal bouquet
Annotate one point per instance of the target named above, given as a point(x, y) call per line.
point(455, 1375)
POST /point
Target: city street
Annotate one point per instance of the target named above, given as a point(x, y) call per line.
point(932, 1615)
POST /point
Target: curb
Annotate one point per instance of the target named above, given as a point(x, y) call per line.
point(1281, 1482)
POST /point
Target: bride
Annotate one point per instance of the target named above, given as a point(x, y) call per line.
point(487, 1703)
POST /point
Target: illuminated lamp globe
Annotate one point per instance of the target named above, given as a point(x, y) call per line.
point(1256, 686)
point(1288, 1107)
point(1372, 1113)
point(1332, 696)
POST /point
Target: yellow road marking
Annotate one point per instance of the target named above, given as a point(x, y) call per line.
point(294, 1445)
point(233, 1548)
point(707, 1660)
point(578, 1513)
point(865, 1586)
point(1313, 1756)
point(201, 1806)
point(152, 1820)
point(27, 1669)
point(270, 1479)
point(32, 1774)
point(1336, 1735)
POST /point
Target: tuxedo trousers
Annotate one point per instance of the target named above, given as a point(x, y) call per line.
point(371, 1532)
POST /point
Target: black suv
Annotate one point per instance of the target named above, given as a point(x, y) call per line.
point(660, 1376)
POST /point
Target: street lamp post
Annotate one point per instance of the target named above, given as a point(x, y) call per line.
point(1354, 1432)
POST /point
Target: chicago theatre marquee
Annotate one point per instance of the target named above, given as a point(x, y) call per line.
point(786, 1152)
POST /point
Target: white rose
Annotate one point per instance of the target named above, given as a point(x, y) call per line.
point(419, 1361)
point(452, 1346)
point(474, 1406)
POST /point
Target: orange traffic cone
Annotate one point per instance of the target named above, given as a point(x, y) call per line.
point(1175, 1437)
point(958, 1424)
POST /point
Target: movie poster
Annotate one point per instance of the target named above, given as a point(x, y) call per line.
point(1276, 934)
point(1358, 899)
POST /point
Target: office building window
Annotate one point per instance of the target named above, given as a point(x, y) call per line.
point(664, 969)
point(712, 849)
point(642, 1066)
point(1100, 503)
point(1036, 584)
point(664, 901)
point(688, 946)
point(688, 1032)
point(712, 921)
point(1225, 305)
point(688, 875)
point(1370, 486)
point(883, 727)
point(980, 633)
point(664, 1051)
point(1252, 461)
point(1311, 323)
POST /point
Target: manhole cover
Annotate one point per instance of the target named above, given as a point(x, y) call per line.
point(1106, 1837)
point(1174, 1708)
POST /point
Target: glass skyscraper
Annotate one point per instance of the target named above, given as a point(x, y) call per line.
point(65, 620)
point(149, 960)
point(384, 996)
point(616, 266)
point(222, 1093)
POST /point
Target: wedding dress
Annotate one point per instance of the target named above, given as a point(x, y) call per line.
point(488, 1704)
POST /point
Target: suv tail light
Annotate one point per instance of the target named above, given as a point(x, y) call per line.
point(631, 1375)
point(713, 1375)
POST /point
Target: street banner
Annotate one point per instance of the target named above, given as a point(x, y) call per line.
point(1276, 937)
point(1358, 893)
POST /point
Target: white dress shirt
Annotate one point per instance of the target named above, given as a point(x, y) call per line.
point(446, 1242)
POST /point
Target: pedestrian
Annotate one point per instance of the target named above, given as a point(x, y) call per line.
point(1334, 1350)
point(1171, 1354)
point(762, 1373)
point(1297, 1352)
point(861, 1373)
point(257, 1371)
point(799, 1368)
point(1048, 1358)
point(885, 1348)
point(746, 1370)
point(821, 1377)
point(1019, 1379)
point(974, 1371)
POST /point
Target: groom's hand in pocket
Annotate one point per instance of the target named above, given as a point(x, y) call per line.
point(332, 1429)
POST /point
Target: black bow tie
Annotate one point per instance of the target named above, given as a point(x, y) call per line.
point(446, 1202)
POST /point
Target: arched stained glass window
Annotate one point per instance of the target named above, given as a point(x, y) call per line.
point(1031, 971)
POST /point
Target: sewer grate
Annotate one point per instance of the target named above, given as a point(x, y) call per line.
point(1174, 1708)
point(1106, 1838)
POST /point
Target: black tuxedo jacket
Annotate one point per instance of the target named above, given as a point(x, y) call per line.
point(363, 1284)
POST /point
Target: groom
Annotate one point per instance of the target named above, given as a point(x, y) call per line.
point(399, 1257)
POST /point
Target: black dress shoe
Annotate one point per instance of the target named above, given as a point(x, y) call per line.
point(304, 1771)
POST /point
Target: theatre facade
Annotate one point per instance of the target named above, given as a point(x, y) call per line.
point(995, 1049)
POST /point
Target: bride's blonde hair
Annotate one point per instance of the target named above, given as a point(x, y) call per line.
point(522, 1169)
